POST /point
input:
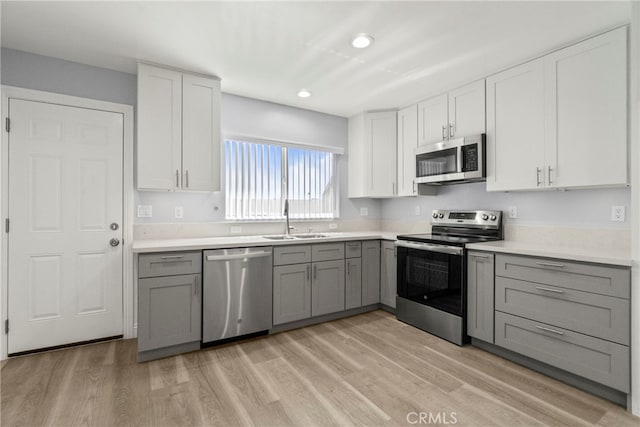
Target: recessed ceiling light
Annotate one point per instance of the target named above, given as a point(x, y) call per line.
point(303, 93)
point(362, 40)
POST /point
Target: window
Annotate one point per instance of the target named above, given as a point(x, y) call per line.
point(260, 176)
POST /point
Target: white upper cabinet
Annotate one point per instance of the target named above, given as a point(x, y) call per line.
point(560, 121)
point(587, 113)
point(433, 121)
point(178, 144)
point(372, 154)
point(407, 143)
point(515, 127)
point(458, 113)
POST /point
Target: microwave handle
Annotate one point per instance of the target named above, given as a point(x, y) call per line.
point(459, 159)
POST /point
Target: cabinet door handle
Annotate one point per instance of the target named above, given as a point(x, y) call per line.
point(348, 269)
point(557, 291)
point(187, 178)
point(177, 178)
point(538, 182)
point(550, 330)
point(549, 175)
point(443, 129)
point(393, 188)
point(308, 272)
point(451, 130)
point(550, 264)
point(414, 186)
point(197, 285)
point(315, 272)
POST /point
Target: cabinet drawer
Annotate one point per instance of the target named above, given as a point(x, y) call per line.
point(169, 264)
point(591, 314)
point(298, 254)
point(598, 360)
point(598, 279)
point(353, 250)
point(327, 251)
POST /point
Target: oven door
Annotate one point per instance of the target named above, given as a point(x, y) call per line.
point(433, 275)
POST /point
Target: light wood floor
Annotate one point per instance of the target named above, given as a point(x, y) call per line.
point(365, 370)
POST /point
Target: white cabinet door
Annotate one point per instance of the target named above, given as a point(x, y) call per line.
point(388, 274)
point(200, 133)
point(357, 157)
point(586, 88)
point(433, 123)
point(380, 134)
point(407, 143)
point(159, 124)
point(328, 287)
point(467, 110)
point(515, 128)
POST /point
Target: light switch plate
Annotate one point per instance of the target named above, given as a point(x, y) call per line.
point(235, 229)
point(333, 225)
point(618, 213)
point(513, 212)
point(179, 211)
point(417, 210)
point(145, 211)
point(364, 211)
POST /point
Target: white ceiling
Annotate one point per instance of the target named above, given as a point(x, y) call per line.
point(270, 50)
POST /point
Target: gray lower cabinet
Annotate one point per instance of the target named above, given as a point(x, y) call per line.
point(327, 287)
point(571, 315)
point(291, 293)
point(370, 272)
point(480, 299)
point(169, 303)
point(353, 285)
point(388, 275)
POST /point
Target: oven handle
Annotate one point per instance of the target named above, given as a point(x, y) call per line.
point(453, 250)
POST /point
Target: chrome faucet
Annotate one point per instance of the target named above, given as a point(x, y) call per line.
point(287, 227)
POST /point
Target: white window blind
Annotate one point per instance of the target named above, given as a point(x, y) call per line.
point(259, 176)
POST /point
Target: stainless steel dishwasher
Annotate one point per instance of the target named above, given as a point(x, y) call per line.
point(236, 292)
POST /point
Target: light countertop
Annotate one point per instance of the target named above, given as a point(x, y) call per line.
point(600, 256)
point(144, 246)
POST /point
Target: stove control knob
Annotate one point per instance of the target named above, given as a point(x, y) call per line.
point(493, 217)
point(435, 215)
point(440, 215)
point(485, 217)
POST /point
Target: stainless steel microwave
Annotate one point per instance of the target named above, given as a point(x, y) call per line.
point(450, 162)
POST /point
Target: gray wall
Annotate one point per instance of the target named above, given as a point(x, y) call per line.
point(579, 208)
point(240, 116)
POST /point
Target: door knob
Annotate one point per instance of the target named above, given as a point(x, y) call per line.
point(114, 242)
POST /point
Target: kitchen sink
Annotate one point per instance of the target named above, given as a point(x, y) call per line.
point(280, 237)
point(309, 236)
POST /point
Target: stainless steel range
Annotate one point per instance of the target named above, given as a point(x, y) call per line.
point(432, 271)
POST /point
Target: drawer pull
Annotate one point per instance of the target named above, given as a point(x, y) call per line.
point(480, 256)
point(172, 257)
point(329, 250)
point(557, 291)
point(550, 264)
point(550, 330)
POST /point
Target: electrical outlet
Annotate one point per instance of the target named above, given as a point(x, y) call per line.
point(364, 211)
point(179, 211)
point(235, 229)
point(417, 210)
point(145, 211)
point(618, 213)
point(333, 226)
point(513, 212)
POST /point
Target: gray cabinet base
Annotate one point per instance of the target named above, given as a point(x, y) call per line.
point(324, 318)
point(589, 386)
point(159, 353)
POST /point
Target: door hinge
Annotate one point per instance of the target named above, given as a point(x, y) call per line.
point(7, 124)
point(6, 225)
point(6, 326)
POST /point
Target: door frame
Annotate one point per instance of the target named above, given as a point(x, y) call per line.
point(127, 196)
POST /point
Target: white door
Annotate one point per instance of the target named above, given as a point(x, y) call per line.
point(433, 123)
point(200, 133)
point(467, 110)
point(65, 191)
point(515, 128)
